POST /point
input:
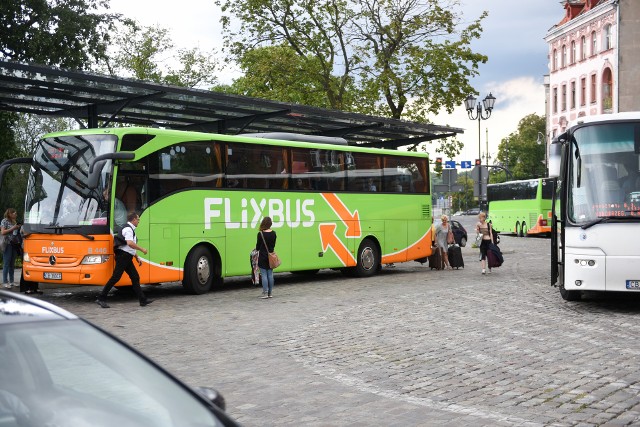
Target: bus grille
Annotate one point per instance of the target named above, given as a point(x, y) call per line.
point(426, 211)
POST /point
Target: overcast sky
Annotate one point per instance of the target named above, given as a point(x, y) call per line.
point(513, 39)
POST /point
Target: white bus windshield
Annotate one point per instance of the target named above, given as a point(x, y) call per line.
point(57, 192)
point(604, 173)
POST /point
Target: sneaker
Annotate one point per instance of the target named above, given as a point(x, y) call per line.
point(483, 272)
point(102, 304)
point(146, 302)
point(6, 286)
point(270, 296)
point(489, 271)
point(264, 295)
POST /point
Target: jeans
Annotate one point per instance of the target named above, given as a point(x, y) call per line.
point(9, 259)
point(266, 275)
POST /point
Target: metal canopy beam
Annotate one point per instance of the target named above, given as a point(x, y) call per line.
point(97, 99)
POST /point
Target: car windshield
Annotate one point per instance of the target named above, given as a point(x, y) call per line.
point(67, 373)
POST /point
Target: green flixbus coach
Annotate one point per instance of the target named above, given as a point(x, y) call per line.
point(521, 207)
point(201, 198)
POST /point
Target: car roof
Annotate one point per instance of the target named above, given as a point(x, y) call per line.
point(16, 308)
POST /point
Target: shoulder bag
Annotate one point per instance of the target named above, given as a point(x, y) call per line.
point(274, 260)
point(450, 237)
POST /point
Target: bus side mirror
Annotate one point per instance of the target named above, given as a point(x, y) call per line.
point(98, 163)
point(6, 164)
point(555, 154)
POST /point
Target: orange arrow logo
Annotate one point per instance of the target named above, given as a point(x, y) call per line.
point(329, 238)
point(352, 221)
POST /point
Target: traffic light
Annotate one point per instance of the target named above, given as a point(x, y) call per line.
point(438, 166)
point(478, 162)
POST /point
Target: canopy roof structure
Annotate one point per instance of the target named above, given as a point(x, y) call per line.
point(97, 100)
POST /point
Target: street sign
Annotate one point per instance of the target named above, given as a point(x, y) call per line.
point(450, 164)
point(449, 176)
point(465, 164)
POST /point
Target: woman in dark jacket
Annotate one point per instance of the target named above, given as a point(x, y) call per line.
point(266, 236)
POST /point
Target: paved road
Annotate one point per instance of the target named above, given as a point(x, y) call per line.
point(410, 347)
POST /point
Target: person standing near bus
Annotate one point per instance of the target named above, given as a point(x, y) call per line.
point(482, 227)
point(10, 233)
point(442, 232)
point(266, 243)
point(124, 263)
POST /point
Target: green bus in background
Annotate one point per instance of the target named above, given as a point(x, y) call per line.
point(521, 207)
point(201, 198)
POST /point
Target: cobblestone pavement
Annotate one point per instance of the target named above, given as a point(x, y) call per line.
point(409, 347)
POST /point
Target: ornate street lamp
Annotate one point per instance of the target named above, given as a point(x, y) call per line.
point(480, 115)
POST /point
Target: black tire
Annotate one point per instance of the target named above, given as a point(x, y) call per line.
point(463, 241)
point(199, 271)
point(518, 229)
point(368, 261)
point(569, 295)
point(523, 230)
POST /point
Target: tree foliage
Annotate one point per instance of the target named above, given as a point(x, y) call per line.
point(520, 151)
point(400, 59)
point(148, 53)
point(64, 33)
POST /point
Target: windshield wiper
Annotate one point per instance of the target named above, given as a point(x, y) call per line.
point(608, 218)
point(59, 228)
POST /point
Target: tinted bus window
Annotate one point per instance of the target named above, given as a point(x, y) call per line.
point(185, 165)
point(259, 167)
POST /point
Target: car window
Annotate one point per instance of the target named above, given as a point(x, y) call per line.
point(74, 375)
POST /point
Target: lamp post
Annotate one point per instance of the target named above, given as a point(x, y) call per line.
point(469, 105)
point(542, 139)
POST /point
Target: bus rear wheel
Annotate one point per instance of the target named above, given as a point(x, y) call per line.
point(523, 230)
point(368, 261)
point(198, 271)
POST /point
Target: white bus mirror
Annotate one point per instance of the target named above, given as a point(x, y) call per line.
point(555, 153)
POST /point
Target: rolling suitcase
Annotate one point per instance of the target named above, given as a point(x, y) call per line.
point(435, 259)
point(455, 256)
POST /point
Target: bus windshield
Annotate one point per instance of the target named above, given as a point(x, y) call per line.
point(57, 192)
point(604, 174)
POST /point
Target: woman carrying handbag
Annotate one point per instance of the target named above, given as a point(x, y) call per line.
point(265, 244)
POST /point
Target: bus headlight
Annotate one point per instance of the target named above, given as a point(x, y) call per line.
point(95, 259)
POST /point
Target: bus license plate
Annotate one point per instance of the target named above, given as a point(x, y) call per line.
point(58, 276)
point(633, 284)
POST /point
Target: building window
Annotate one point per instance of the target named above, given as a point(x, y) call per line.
point(564, 57)
point(573, 52)
point(555, 100)
point(555, 59)
point(584, 48)
point(583, 91)
point(607, 85)
point(573, 95)
point(607, 40)
point(593, 88)
point(594, 43)
point(564, 98)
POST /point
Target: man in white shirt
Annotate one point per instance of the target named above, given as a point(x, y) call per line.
point(124, 263)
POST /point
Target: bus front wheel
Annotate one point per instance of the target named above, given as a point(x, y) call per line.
point(569, 295)
point(368, 261)
point(198, 271)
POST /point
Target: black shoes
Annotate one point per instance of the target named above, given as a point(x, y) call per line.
point(102, 304)
point(146, 302)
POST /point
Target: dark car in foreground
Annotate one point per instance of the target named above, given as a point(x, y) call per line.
point(57, 369)
point(459, 232)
